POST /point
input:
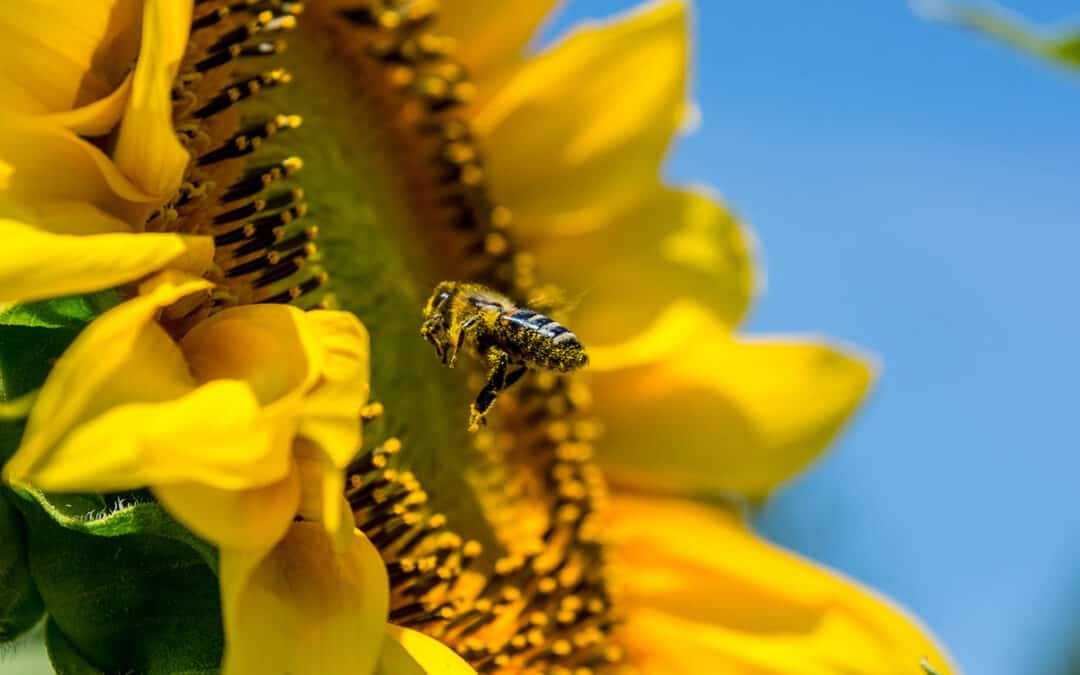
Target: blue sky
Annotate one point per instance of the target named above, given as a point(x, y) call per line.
point(916, 190)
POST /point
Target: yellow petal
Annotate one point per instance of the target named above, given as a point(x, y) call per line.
point(271, 347)
point(147, 149)
point(578, 133)
point(66, 217)
point(38, 264)
point(491, 33)
point(57, 55)
point(304, 608)
point(97, 118)
point(322, 485)
point(249, 520)
point(697, 587)
point(332, 408)
point(676, 245)
point(212, 435)
point(39, 152)
point(409, 652)
point(689, 407)
point(123, 357)
point(175, 431)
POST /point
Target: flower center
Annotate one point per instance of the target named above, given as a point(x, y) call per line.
point(234, 190)
point(489, 539)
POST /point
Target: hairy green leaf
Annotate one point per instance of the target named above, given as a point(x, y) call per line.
point(118, 515)
point(124, 602)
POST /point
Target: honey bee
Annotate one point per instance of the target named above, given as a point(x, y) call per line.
point(509, 339)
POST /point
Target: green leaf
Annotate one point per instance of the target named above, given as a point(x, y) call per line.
point(138, 603)
point(34, 335)
point(27, 355)
point(11, 432)
point(118, 515)
point(1063, 48)
point(1068, 49)
point(65, 658)
point(68, 312)
point(20, 603)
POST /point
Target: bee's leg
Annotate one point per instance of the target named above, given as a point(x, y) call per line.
point(427, 331)
point(439, 351)
point(496, 382)
point(461, 338)
point(514, 375)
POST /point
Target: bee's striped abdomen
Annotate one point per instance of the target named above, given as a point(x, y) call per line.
point(543, 340)
point(544, 325)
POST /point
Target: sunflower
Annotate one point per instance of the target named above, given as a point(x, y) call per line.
point(418, 141)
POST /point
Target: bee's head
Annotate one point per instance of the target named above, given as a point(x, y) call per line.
point(439, 298)
point(436, 324)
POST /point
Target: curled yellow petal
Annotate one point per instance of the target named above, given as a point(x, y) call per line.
point(330, 409)
point(39, 264)
point(690, 407)
point(675, 244)
point(304, 607)
point(122, 357)
point(697, 587)
point(58, 56)
point(248, 519)
point(271, 347)
point(147, 149)
point(409, 652)
point(579, 132)
point(39, 152)
point(211, 435)
point(97, 118)
point(322, 486)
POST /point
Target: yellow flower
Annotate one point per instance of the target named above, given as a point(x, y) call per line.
point(540, 168)
point(238, 427)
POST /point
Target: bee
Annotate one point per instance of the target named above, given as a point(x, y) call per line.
point(508, 339)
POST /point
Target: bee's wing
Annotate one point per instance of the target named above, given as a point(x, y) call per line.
point(550, 299)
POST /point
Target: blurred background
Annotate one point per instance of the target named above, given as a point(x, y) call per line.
point(916, 191)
